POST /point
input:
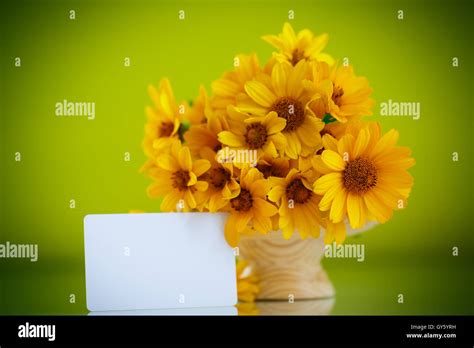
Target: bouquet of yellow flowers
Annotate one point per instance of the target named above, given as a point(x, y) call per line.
point(280, 146)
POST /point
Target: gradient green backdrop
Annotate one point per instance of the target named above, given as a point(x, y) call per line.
point(73, 158)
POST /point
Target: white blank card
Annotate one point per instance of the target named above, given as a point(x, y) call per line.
point(154, 261)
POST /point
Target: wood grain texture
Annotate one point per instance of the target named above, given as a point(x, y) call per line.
point(287, 268)
point(301, 307)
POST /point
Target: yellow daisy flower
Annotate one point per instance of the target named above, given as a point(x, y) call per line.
point(249, 207)
point(302, 46)
point(365, 176)
point(205, 135)
point(283, 93)
point(247, 282)
point(298, 205)
point(330, 133)
point(164, 121)
point(222, 184)
point(270, 166)
point(176, 178)
point(340, 93)
point(232, 83)
point(262, 134)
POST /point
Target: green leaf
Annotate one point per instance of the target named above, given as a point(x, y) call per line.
point(183, 128)
point(328, 119)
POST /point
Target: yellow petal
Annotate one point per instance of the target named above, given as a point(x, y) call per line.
point(319, 165)
point(289, 34)
point(387, 141)
point(242, 221)
point(159, 189)
point(184, 158)
point(154, 96)
point(325, 182)
point(288, 231)
point(192, 179)
point(294, 145)
point(329, 142)
point(225, 87)
point(270, 149)
point(230, 231)
point(280, 78)
point(169, 202)
point(278, 140)
point(189, 199)
point(324, 57)
point(380, 211)
point(201, 186)
point(361, 143)
point(264, 208)
point(260, 93)
point(167, 101)
point(177, 123)
point(309, 131)
point(230, 139)
point(297, 75)
point(344, 146)
point(252, 175)
point(333, 160)
point(167, 162)
point(277, 125)
point(275, 193)
point(201, 166)
point(274, 41)
point(328, 197)
point(216, 202)
point(355, 210)
point(317, 45)
point(262, 224)
point(338, 207)
point(387, 195)
point(335, 232)
point(302, 223)
point(260, 188)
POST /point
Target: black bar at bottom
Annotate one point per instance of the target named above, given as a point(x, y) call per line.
point(414, 330)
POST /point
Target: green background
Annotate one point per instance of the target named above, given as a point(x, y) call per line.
point(73, 158)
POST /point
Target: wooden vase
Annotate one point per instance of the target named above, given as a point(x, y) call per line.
point(288, 270)
point(302, 307)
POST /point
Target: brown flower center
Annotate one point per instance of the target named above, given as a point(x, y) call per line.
point(296, 56)
point(243, 202)
point(297, 192)
point(291, 110)
point(337, 94)
point(271, 170)
point(165, 130)
point(256, 135)
point(265, 169)
point(218, 177)
point(180, 180)
point(359, 176)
